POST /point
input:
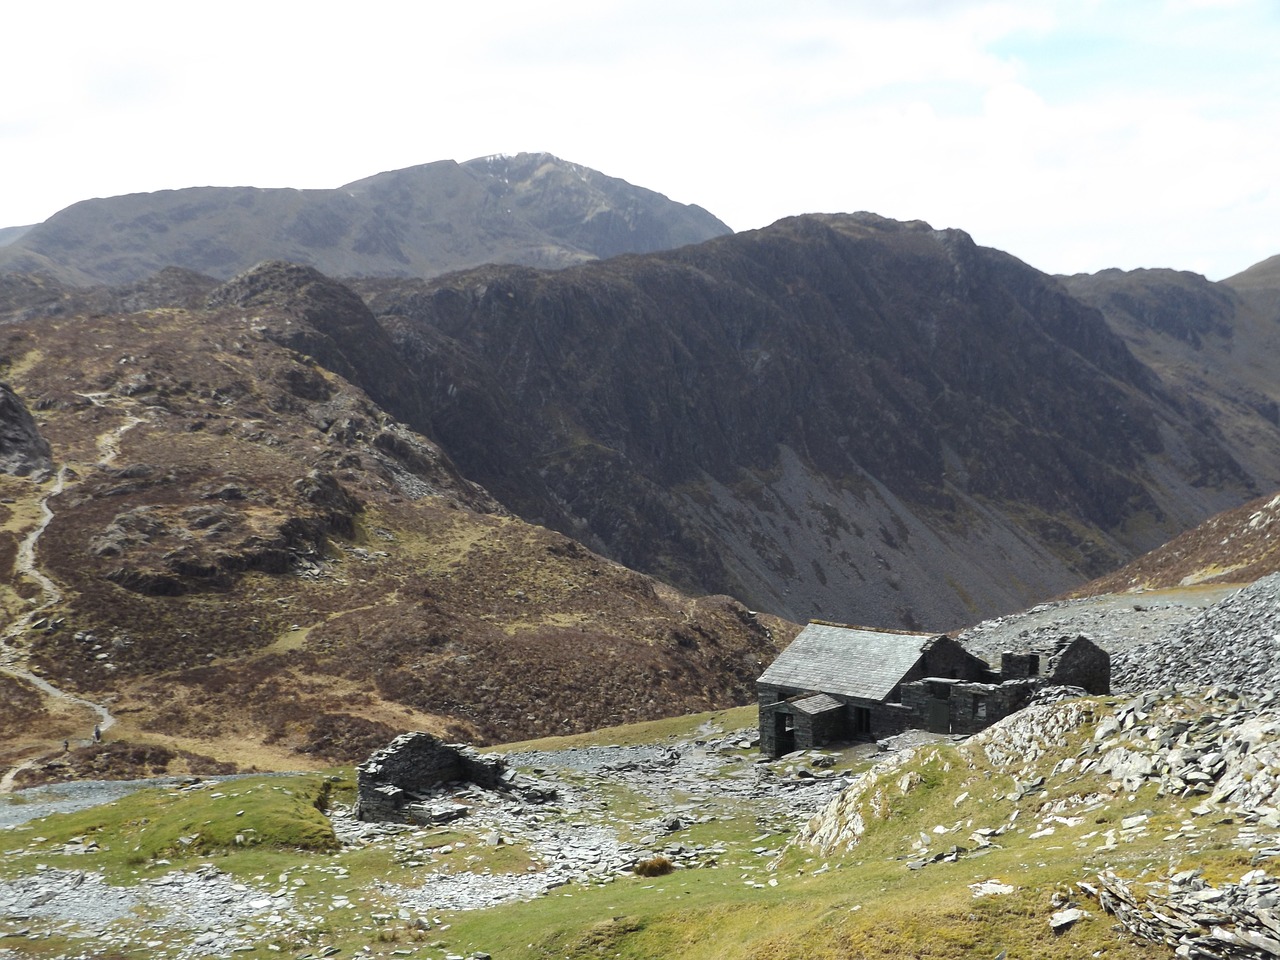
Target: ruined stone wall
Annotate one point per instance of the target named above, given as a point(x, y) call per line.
point(976, 706)
point(888, 719)
point(1081, 663)
point(1015, 666)
point(915, 699)
point(970, 706)
point(946, 658)
point(413, 766)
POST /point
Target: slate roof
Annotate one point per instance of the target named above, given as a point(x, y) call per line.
point(816, 704)
point(849, 661)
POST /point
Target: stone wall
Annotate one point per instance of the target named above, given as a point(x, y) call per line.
point(888, 719)
point(1081, 663)
point(970, 707)
point(947, 658)
point(1015, 666)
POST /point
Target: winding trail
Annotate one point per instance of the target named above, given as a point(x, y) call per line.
point(25, 565)
point(109, 443)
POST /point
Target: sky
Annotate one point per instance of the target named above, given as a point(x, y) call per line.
point(1076, 135)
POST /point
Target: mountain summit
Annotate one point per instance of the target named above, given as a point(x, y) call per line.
point(532, 209)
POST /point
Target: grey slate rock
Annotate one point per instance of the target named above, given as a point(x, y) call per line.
point(23, 450)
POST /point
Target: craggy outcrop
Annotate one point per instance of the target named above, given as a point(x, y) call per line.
point(22, 449)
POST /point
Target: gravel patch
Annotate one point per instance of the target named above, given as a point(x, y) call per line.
point(1116, 622)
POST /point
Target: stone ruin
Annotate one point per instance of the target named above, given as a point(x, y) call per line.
point(415, 777)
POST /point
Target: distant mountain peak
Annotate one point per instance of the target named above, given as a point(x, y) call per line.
point(531, 208)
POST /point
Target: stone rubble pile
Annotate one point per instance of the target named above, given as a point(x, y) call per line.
point(1234, 642)
point(1115, 622)
point(1216, 748)
point(1018, 741)
point(1216, 743)
point(1234, 921)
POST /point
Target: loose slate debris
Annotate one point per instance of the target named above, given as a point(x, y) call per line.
point(1237, 921)
point(1234, 642)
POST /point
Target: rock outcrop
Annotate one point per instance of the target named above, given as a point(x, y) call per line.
point(22, 449)
point(1230, 921)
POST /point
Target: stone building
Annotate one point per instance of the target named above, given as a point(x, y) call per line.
point(838, 683)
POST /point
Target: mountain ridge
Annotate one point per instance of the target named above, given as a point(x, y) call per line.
point(840, 360)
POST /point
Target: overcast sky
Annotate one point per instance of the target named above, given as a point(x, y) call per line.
point(1076, 135)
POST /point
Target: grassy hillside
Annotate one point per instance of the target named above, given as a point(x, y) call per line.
point(944, 851)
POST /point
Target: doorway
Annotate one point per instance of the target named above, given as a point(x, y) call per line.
point(784, 732)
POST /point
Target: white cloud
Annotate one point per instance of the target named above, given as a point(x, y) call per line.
point(1074, 135)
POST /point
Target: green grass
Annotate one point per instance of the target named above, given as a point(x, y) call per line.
point(241, 821)
point(869, 902)
point(669, 729)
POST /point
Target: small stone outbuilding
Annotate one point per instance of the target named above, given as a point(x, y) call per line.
point(839, 683)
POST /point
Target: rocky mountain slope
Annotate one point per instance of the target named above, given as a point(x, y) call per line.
point(233, 551)
point(1211, 344)
point(840, 415)
point(421, 221)
point(836, 416)
point(1235, 546)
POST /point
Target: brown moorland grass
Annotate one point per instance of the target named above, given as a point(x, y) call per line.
point(258, 584)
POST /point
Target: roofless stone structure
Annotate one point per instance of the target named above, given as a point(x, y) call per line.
point(412, 777)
